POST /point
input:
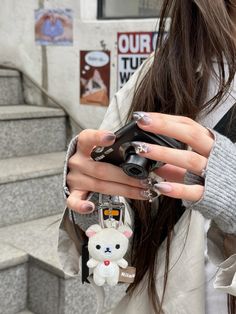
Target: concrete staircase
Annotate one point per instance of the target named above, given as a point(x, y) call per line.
point(33, 143)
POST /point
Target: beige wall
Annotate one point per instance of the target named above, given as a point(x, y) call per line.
point(62, 63)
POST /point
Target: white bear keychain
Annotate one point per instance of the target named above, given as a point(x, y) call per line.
point(107, 247)
point(108, 242)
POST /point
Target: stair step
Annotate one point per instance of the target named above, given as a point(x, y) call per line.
point(27, 130)
point(13, 278)
point(46, 280)
point(31, 187)
point(10, 88)
point(29, 112)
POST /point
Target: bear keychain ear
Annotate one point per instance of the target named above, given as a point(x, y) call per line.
point(92, 230)
point(127, 232)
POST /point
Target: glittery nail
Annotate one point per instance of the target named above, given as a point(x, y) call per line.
point(142, 117)
point(141, 147)
point(146, 183)
point(148, 194)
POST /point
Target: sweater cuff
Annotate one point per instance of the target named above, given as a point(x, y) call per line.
point(218, 202)
point(70, 151)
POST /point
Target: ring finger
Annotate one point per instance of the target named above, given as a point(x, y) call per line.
point(85, 183)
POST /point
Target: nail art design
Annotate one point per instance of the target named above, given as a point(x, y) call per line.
point(141, 117)
point(146, 183)
point(141, 147)
point(149, 195)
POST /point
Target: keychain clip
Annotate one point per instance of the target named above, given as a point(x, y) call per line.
point(111, 211)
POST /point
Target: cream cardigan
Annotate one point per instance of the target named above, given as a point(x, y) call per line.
point(185, 292)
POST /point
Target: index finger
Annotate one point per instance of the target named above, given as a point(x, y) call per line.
point(181, 128)
point(88, 139)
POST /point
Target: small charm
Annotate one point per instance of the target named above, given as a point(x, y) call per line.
point(140, 147)
point(107, 247)
point(149, 195)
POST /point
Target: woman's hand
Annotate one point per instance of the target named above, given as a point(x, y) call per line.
point(177, 161)
point(86, 174)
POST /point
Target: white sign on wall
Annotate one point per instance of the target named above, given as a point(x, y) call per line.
point(133, 49)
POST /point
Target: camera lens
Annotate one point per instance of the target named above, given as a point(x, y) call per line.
point(136, 166)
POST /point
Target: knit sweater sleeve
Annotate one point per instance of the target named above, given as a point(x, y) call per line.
point(218, 202)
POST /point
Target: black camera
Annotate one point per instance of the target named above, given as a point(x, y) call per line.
point(122, 152)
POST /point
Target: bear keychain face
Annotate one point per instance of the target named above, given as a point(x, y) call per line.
point(107, 246)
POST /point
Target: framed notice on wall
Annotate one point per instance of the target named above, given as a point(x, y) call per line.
point(94, 77)
point(133, 49)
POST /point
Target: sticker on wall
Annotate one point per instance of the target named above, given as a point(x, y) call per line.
point(54, 27)
point(133, 49)
point(94, 77)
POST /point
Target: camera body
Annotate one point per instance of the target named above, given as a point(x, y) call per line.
point(122, 152)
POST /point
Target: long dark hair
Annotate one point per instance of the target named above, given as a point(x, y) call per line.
point(200, 32)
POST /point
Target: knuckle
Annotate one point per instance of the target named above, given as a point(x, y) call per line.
point(194, 161)
point(69, 179)
point(94, 185)
point(179, 191)
point(162, 152)
point(162, 122)
point(72, 162)
point(133, 193)
point(99, 171)
point(187, 120)
point(76, 163)
point(72, 203)
point(83, 137)
point(193, 134)
point(102, 187)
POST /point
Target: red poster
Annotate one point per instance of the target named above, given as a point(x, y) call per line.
point(94, 77)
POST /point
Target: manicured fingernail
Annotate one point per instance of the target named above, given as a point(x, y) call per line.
point(145, 183)
point(148, 194)
point(108, 137)
point(141, 147)
point(163, 187)
point(142, 117)
point(87, 208)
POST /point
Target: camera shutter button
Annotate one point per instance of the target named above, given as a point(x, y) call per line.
point(99, 149)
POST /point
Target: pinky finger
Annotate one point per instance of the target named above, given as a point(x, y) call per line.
point(191, 193)
point(77, 202)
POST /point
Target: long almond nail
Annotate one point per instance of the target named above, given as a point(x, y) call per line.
point(142, 117)
point(163, 187)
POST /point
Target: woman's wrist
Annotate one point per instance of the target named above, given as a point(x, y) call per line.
point(219, 198)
